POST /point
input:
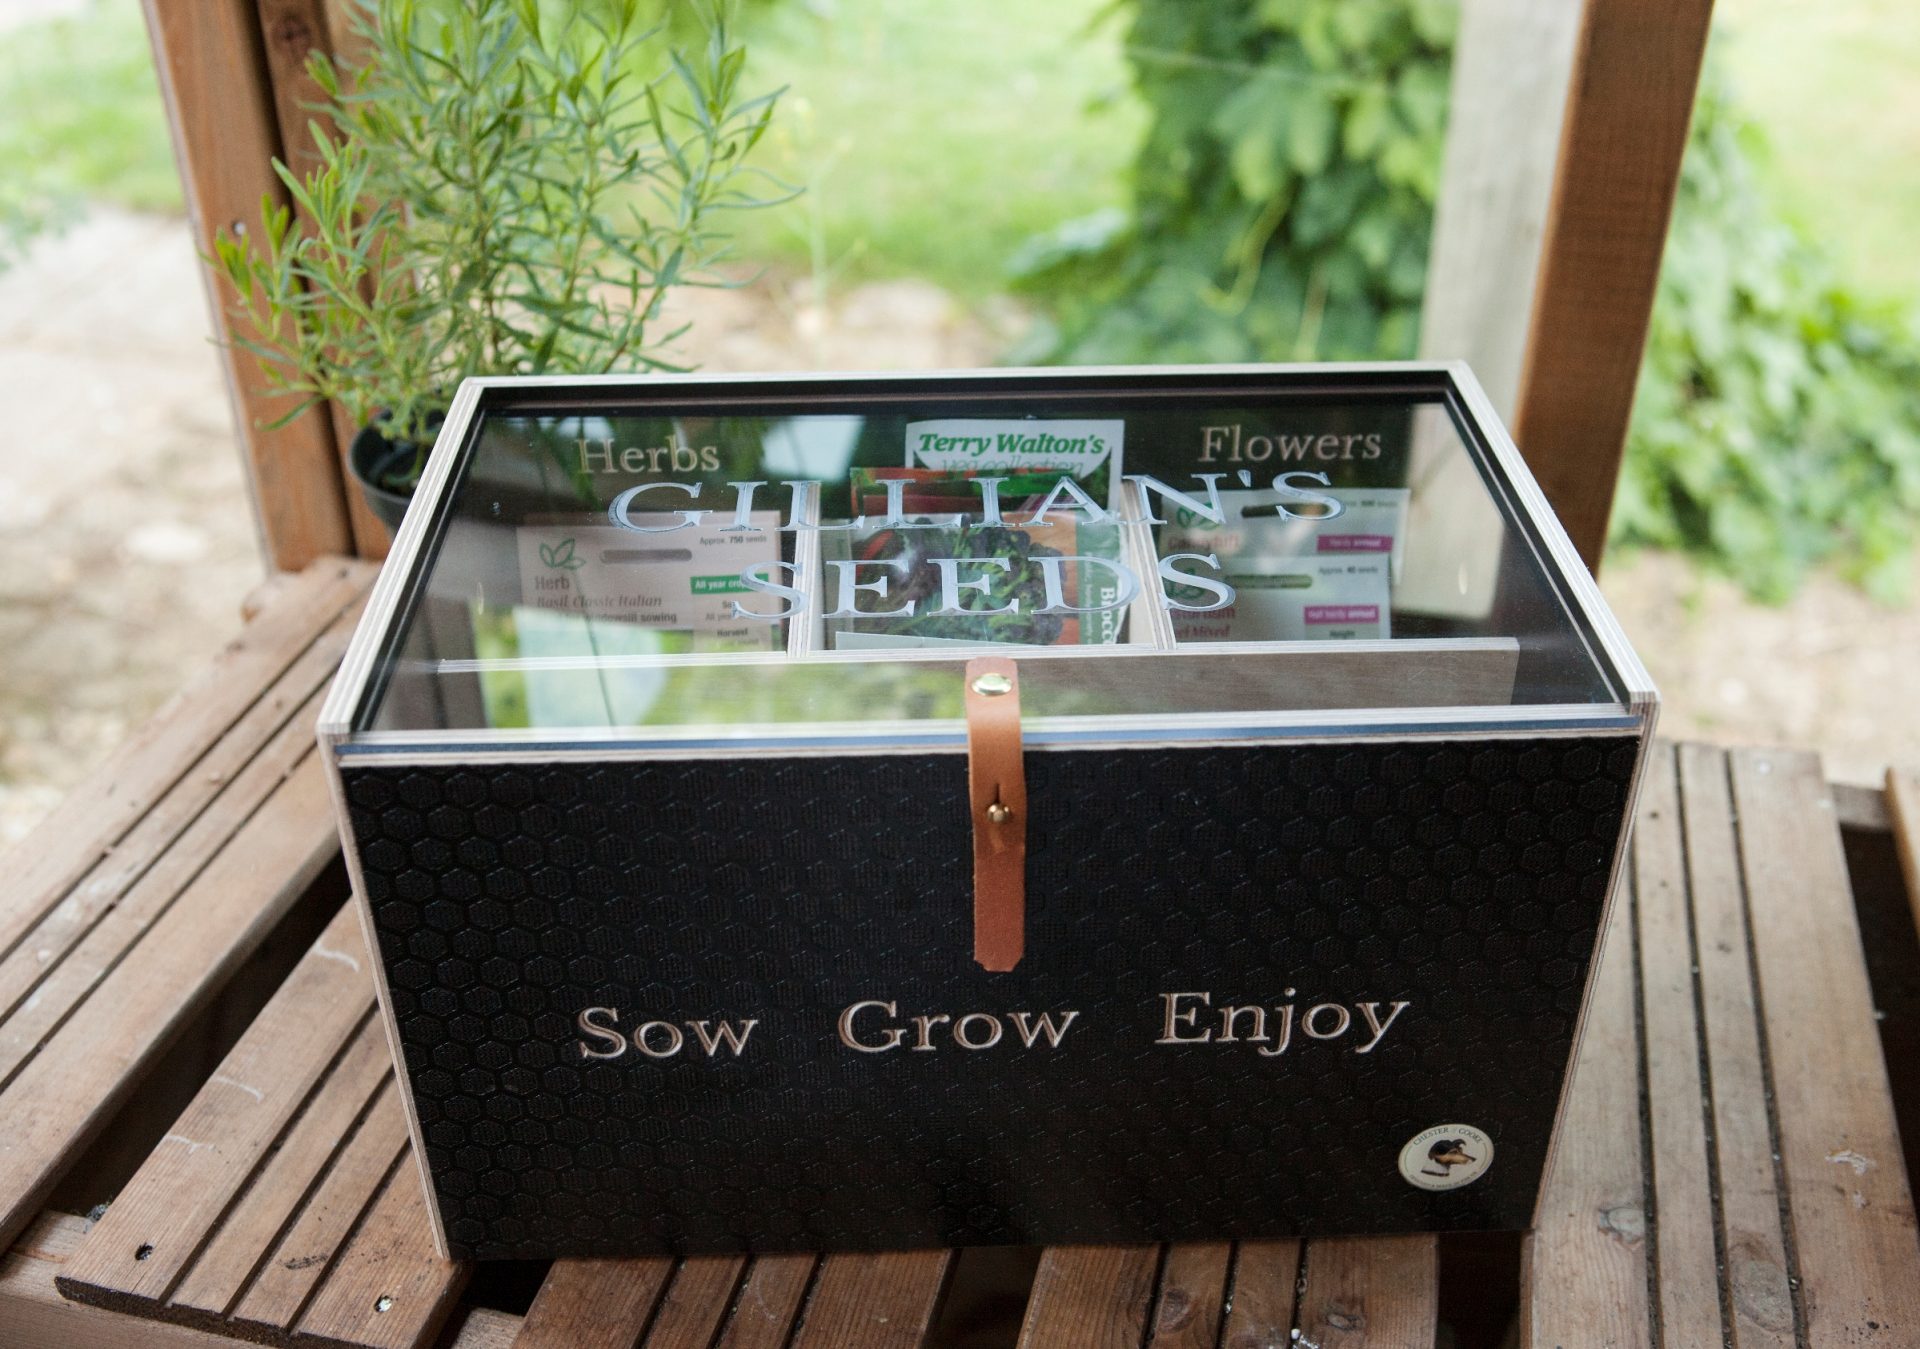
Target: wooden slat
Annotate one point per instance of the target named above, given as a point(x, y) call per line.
point(97, 816)
point(1583, 1273)
point(267, 593)
point(1852, 1215)
point(594, 1304)
point(293, 31)
point(1857, 807)
point(211, 788)
point(770, 1297)
point(161, 1220)
point(1091, 1295)
point(483, 1328)
point(1193, 1285)
point(33, 1314)
point(68, 1090)
point(286, 1204)
point(697, 1300)
point(313, 1244)
point(174, 840)
point(1380, 1292)
point(883, 1301)
point(387, 1290)
point(1748, 1198)
point(232, 1256)
point(1686, 1261)
point(1634, 74)
point(1265, 1277)
point(220, 108)
point(69, 976)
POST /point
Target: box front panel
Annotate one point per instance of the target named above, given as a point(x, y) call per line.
point(691, 1006)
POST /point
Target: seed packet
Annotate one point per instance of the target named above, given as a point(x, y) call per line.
point(1318, 597)
point(1014, 562)
point(1089, 451)
point(683, 582)
point(1372, 521)
point(1015, 558)
point(955, 493)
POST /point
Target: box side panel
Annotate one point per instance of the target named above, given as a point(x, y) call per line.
point(1404, 928)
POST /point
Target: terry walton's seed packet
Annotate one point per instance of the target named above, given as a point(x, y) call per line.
point(987, 493)
point(1086, 451)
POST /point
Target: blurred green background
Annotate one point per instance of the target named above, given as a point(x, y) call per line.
point(936, 146)
point(1253, 180)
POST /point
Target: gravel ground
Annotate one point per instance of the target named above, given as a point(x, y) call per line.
point(126, 541)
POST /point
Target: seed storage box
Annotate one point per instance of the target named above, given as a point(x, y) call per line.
point(1011, 807)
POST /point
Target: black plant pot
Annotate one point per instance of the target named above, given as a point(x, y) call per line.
point(374, 458)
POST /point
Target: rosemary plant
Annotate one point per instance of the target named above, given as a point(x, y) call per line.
point(501, 193)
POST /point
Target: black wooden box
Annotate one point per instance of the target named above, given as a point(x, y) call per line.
point(1012, 807)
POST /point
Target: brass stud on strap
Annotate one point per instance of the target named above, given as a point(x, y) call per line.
point(992, 685)
point(999, 813)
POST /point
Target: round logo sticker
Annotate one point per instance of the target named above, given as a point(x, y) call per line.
point(1446, 1157)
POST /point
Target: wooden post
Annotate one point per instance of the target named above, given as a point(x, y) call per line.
point(1510, 70)
point(1635, 72)
point(220, 107)
point(293, 30)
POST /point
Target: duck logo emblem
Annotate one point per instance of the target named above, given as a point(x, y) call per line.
point(1447, 1154)
point(1446, 1157)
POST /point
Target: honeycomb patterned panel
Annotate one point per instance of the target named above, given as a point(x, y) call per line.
point(1311, 887)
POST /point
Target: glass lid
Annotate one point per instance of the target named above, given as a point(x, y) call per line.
point(674, 562)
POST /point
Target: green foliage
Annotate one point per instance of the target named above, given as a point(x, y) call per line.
point(1283, 209)
point(1833, 85)
point(1777, 422)
point(82, 121)
point(1283, 196)
point(932, 139)
point(506, 194)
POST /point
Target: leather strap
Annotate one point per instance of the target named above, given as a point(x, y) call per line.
point(997, 792)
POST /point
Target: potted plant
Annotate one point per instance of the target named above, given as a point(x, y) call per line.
point(501, 193)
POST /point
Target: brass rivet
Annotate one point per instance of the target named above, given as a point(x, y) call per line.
point(992, 685)
point(998, 813)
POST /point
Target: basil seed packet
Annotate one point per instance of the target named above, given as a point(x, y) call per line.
point(1088, 451)
point(683, 580)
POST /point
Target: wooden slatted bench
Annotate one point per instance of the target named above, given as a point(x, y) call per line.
point(1733, 1172)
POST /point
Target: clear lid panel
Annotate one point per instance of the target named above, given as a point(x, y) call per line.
point(658, 562)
